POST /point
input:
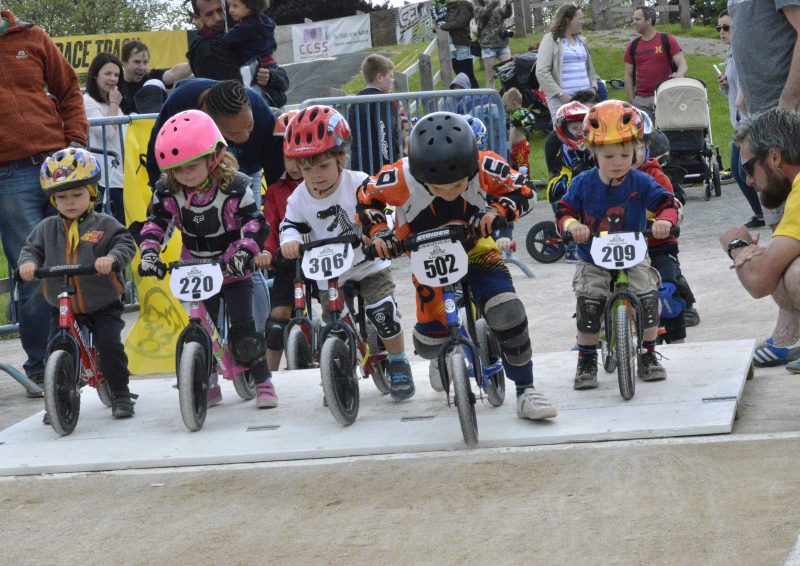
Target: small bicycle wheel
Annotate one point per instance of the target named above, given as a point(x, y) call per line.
point(625, 351)
point(62, 395)
point(465, 399)
point(490, 354)
point(298, 349)
point(104, 392)
point(543, 242)
point(716, 183)
point(193, 374)
point(380, 374)
point(339, 381)
point(607, 355)
point(245, 386)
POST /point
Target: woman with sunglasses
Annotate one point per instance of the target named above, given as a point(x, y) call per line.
point(729, 85)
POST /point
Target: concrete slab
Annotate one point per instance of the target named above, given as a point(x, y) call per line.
point(700, 397)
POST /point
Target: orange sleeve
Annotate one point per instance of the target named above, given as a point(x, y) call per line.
point(498, 179)
point(386, 188)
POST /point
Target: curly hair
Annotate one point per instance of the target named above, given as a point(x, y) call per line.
point(562, 19)
point(222, 176)
point(226, 98)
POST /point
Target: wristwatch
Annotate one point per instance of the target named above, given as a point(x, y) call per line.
point(736, 243)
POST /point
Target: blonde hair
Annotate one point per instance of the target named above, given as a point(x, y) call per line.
point(632, 144)
point(222, 176)
point(512, 96)
point(339, 156)
point(374, 65)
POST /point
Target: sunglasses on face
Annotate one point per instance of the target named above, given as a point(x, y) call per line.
point(748, 166)
point(726, 28)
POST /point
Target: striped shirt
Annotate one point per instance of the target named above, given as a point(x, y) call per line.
point(574, 76)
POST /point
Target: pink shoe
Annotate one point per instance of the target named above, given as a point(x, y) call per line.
point(266, 397)
point(214, 395)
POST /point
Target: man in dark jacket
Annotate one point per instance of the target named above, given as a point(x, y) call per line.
point(459, 14)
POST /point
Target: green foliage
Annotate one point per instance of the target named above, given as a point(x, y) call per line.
point(706, 11)
point(295, 11)
point(88, 17)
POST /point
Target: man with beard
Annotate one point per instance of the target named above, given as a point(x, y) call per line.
point(770, 158)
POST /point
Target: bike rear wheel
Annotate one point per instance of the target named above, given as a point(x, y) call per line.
point(104, 392)
point(298, 349)
point(245, 386)
point(625, 351)
point(490, 354)
point(62, 394)
point(193, 374)
point(543, 242)
point(339, 381)
point(380, 375)
point(465, 399)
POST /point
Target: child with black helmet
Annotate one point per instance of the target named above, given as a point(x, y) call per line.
point(79, 235)
point(446, 179)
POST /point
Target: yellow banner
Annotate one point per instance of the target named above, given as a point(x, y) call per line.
point(150, 345)
point(167, 48)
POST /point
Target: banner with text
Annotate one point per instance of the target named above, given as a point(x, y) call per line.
point(167, 48)
point(414, 23)
point(331, 37)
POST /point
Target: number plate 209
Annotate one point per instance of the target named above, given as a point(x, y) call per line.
point(620, 250)
point(439, 263)
point(196, 282)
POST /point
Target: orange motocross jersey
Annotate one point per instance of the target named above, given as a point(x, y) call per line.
point(417, 210)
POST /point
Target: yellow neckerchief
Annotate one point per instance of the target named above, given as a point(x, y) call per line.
point(73, 237)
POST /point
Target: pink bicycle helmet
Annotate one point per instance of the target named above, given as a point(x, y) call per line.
point(315, 130)
point(187, 136)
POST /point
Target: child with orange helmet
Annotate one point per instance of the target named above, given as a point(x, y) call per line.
point(324, 206)
point(613, 197)
point(202, 194)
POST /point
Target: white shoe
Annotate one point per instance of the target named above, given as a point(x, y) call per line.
point(434, 376)
point(533, 405)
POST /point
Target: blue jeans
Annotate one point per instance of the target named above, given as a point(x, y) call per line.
point(738, 173)
point(261, 306)
point(23, 205)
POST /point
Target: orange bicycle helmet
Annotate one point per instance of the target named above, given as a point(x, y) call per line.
point(612, 121)
point(315, 130)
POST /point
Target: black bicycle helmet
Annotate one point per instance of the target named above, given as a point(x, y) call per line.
point(442, 149)
point(659, 146)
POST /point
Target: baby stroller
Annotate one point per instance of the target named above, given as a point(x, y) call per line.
point(683, 114)
point(520, 72)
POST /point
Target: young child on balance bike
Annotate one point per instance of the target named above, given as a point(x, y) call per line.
point(446, 179)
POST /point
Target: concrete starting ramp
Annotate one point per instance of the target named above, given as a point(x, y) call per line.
point(699, 397)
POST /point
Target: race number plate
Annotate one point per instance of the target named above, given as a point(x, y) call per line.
point(439, 263)
point(620, 250)
point(196, 282)
point(328, 261)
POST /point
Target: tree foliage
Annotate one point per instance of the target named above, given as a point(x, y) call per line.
point(295, 11)
point(83, 17)
point(704, 11)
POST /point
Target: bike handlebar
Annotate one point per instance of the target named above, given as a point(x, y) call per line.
point(352, 239)
point(70, 270)
point(647, 233)
point(194, 261)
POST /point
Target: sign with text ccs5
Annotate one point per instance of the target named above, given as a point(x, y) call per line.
point(331, 37)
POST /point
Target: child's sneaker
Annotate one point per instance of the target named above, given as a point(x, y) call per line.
point(650, 369)
point(434, 376)
point(691, 317)
point(533, 405)
point(122, 404)
point(768, 354)
point(586, 374)
point(265, 395)
point(402, 386)
point(571, 254)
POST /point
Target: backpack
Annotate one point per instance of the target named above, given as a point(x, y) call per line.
point(664, 44)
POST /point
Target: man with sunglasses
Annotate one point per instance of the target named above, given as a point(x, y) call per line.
point(771, 161)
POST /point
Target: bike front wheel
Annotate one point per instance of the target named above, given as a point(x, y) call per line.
point(490, 354)
point(625, 351)
point(193, 374)
point(339, 381)
point(543, 242)
point(298, 349)
point(62, 394)
point(465, 399)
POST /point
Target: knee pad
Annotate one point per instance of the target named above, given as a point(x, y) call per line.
point(427, 346)
point(671, 303)
point(275, 330)
point(385, 318)
point(248, 345)
point(505, 315)
point(649, 302)
point(590, 314)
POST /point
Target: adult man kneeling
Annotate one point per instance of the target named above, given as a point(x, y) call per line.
point(770, 157)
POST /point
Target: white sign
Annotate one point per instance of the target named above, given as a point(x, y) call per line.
point(196, 282)
point(414, 23)
point(327, 262)
point(439, 263)
point(331, 37)
point(620, 250)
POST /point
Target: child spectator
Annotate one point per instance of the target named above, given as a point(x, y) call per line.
point(447, 179)
point(614, 197)
point(552, 145)
point(377, 123)
point(203, 194)
point(520, 122)
point(253, 36)
point(69, 178)
point(322, 207)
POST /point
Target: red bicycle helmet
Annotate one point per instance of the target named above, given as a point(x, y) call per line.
point(315, 130)
point(570, 112)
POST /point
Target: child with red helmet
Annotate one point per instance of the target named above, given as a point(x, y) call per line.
point(324, 206)
point(446, 179)
point(204, 196)
point(614, 197)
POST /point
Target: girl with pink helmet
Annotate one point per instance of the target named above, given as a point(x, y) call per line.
point(202, 193)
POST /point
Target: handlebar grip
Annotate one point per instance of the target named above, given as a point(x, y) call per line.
point(674, 231)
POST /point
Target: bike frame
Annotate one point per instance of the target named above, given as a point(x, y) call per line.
point(301, 313)
point(622, 295)
point(68, 325)
point(200, 320)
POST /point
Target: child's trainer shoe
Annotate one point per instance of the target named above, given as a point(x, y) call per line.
point(586, 374)
point(533, 405)
point(650, 369)
point(122, 404)
point(402, 384)
point(265, 395)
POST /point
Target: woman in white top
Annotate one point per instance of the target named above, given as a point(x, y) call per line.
point(102, 99)
point(564, 65)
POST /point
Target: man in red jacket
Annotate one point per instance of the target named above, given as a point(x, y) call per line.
point(33, 125)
